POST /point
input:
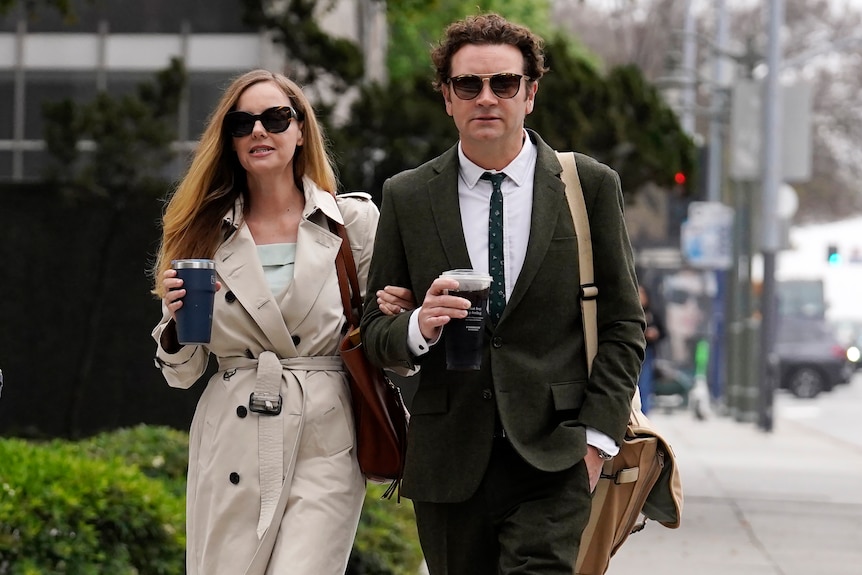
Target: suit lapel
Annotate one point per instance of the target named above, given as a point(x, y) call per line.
point(446, 210)
point(549, 194)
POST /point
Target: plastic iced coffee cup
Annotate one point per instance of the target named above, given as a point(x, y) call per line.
point(464, 337)
point(195, 317)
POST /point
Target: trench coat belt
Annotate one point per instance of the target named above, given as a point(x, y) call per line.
point(270, 428)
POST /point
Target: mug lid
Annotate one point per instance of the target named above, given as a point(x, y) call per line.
point(199, 264)
point(466, 273)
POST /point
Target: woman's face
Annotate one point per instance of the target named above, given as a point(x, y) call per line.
point(684, 293)
point(262, 153)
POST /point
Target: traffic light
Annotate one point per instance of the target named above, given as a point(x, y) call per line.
point(832, 255)
point(679, 178)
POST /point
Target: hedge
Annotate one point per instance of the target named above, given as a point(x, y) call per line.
point(114, 504)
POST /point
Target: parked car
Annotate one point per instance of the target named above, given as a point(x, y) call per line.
point(850, 335)
point(810, 357)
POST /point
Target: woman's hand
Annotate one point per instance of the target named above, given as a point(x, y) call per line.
point(392, 300)
point(174, 291)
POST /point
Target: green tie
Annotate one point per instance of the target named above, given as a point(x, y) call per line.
point(497, 297)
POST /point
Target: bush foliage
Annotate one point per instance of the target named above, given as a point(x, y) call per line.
point(64, 512)
point(114, 504)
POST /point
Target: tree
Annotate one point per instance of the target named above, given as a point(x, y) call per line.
point(315, 55)
point(131, 140)
point(647, 33)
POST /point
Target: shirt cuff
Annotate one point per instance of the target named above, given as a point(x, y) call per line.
point(415, 340)
point(601, 441)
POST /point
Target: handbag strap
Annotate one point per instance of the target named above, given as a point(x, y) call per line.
point(348, 281)
point(589, 292)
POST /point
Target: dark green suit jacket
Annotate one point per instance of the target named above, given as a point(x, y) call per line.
point(534, 368)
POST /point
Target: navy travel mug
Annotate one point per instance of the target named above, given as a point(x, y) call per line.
point(195, 317)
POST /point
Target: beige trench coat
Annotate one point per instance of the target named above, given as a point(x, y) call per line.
point(237, 457)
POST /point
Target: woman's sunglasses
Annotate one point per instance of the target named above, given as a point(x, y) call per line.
point(468, 86)
point(275, 120)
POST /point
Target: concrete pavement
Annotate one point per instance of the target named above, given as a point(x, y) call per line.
point(787, 502)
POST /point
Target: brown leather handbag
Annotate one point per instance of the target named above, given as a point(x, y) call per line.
point(378, 409)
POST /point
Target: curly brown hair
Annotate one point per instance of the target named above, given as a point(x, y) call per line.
point(488, 29)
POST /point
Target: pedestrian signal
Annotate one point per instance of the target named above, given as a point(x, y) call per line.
point(832, 255)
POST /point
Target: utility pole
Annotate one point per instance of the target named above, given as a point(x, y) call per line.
point(689, 69)
point(714, 172)
point(772, 106)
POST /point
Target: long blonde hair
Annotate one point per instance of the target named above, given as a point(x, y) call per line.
point(192, 220)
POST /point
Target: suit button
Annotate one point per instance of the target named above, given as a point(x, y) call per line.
point(234, 477)
point(497, 342)
point(241, 411)
point(229, 297)
point(296, 339)
point(487, 394)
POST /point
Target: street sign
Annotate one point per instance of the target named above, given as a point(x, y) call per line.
point(746, 132)
point(706, 237)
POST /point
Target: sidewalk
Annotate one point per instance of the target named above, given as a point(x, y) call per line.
point(787, 502)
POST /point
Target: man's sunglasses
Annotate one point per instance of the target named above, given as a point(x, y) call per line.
point(275, 120)
point(468, 86)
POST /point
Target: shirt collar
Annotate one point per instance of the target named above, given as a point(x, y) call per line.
point(518, 169)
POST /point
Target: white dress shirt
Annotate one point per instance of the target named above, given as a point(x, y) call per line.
point(474, 197)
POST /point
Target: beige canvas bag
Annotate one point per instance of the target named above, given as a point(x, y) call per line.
point(642, 481)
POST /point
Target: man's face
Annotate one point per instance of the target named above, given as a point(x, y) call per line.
point(488, 121)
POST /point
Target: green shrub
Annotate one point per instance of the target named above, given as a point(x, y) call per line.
point(62, 512)
point(159, 452)
point(114, 504)
point(387, 542)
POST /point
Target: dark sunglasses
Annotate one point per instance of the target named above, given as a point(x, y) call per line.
point(468, 86)
point(275, 120)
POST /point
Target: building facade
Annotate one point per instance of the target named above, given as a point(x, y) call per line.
point(114, 45)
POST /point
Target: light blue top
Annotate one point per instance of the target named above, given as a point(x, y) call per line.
point(278, 261)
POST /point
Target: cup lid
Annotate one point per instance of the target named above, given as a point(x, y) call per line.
point(199, 264)
point(466, 273)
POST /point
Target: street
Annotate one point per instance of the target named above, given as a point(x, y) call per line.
point(834, 414)
point(787, 502)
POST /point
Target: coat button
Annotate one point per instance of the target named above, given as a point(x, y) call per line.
point(487, 394)
point(497, 342)
point(241, 411)
point(229, 297)
point(296, 339)
point(234, 477)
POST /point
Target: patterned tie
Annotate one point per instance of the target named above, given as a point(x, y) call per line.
point(497, 299)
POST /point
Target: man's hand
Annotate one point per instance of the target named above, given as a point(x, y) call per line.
point(439, 307)
point(594, 466)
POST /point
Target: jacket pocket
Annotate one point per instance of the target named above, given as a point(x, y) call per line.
point(569, 243)
point(568, 394)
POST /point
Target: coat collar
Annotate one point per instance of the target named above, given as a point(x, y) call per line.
point(242, 273)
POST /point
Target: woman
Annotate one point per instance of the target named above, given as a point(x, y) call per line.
point(257, 199)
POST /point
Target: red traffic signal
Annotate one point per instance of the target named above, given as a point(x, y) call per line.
point(679, 178)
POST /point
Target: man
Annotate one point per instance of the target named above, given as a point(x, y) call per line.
point(501, 461)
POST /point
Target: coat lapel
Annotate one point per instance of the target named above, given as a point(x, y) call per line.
point(446, 210)
point(316, 250)
point(240, 270)
point(549, 195)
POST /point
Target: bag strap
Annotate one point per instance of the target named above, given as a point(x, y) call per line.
point(348, 281)
point(589, 292)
